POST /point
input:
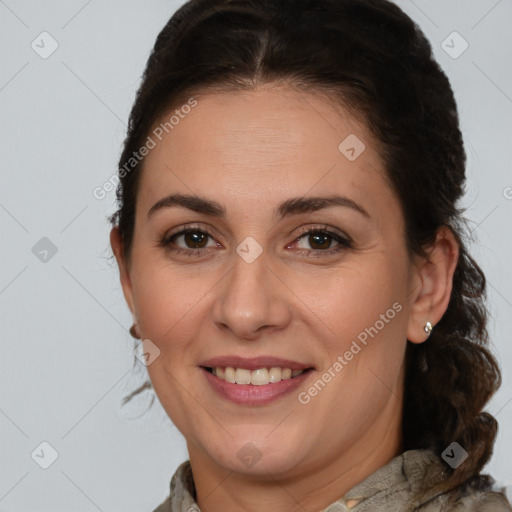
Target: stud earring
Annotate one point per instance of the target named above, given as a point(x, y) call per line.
point(428, 328)
point(134, 332)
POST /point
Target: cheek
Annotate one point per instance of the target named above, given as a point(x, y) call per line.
point(168, 303)
point(166, 299)
point(355, 299)
point(363, 313)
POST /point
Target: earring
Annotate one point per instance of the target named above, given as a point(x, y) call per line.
point(134, 332)
point(428, 328)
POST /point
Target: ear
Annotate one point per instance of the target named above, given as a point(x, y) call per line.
point(117, 248)
point(431, 284)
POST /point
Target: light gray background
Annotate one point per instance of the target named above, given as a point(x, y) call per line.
point(66, 359)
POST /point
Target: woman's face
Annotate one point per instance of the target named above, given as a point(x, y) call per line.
point(251, 174)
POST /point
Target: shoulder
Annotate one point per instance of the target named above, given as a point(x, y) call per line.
point(480, 494)
point(182, 491)
point(164, 507)
point(426, 476)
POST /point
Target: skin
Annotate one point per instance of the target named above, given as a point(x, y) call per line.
point(250, 151)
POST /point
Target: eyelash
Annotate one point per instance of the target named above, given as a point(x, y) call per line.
point(344, 242)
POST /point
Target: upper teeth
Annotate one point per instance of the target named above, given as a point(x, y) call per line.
point(257, 377)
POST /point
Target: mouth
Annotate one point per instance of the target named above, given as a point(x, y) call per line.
point(254, 381)
point(257, 377)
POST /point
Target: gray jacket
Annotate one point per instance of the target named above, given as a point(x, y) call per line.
point(399, 486)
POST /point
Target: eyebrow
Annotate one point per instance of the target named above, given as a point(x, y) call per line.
point(293, 206)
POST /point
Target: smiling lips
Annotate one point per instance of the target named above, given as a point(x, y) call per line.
point(254, 381)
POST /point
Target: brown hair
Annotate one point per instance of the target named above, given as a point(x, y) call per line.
point(373, 59)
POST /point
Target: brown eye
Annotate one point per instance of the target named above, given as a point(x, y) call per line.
point(320, 241)
point(190, 240)
point(195, 239)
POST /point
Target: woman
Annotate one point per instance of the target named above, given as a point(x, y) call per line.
point(291, 250)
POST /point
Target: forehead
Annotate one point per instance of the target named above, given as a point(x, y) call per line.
point(261, 145)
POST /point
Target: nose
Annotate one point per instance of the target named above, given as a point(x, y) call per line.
point(251, 300)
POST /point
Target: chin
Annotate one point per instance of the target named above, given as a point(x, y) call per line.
point(258, 456)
